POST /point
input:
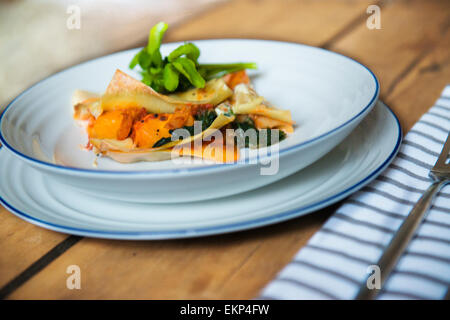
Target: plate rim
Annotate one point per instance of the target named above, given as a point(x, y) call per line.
point(222, 229)
point(177, 171)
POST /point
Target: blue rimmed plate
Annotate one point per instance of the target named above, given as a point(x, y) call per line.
point(328, 94)
point(43, 201)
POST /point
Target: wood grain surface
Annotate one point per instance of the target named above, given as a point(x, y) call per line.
point(410, 55)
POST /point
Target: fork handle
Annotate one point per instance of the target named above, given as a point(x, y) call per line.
point(401, 239)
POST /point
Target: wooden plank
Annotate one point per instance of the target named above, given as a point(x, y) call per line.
point(192, 268)
point(310, 22)
point(239, 265)
point(409, 31)
point(420, 88)
point(21, 244)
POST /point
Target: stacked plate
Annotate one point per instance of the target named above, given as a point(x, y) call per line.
point(344, 138)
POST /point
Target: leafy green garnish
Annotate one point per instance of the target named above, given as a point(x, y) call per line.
point(249, 125)
point(188, 69)
point(162, 142)
point(209, 71)
point(281, 136)
point(171, 77)
point(155, 37)
point(207, 117)
point(190, 50)
point(180, 70)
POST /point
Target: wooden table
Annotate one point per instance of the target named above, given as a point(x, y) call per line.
point(410, 55)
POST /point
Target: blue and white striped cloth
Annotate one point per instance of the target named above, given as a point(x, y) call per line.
point(333, 265)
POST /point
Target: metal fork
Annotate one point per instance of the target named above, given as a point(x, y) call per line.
point(440, 174)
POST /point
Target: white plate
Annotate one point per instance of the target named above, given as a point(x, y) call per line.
point(360, 158)
point(328, 94)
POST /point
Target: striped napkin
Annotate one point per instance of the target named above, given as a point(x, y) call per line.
point(334, 263)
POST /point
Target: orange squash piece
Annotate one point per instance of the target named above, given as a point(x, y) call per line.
point(155, 127)
point(235, 78)
point(150, 129)
point(179, 118)
point(111, 125)
point(114, 124)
